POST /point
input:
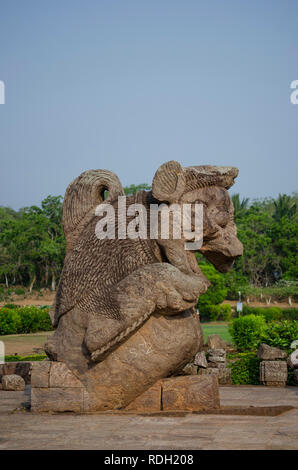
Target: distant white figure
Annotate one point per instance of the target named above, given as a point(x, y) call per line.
point(2, 352)
point(2, 92)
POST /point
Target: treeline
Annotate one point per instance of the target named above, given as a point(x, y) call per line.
point(32, 243)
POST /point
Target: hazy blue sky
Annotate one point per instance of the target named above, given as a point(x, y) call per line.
point(129, 84)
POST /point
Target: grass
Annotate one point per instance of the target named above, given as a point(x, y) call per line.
point(216, 328)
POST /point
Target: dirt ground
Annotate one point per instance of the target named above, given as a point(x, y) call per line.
point(47, 298)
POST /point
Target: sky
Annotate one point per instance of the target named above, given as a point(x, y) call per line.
point(126, 85)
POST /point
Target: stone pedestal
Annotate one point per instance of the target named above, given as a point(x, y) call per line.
point(273, 373)
point(55, 388)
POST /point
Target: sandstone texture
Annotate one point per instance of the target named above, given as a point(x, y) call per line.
point(273, 373)
point(269, 353)
point(125, 307)
point(13, 383)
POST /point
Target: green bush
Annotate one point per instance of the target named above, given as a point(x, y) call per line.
point(280, 334)
point(216, 312)
point(217, 291)
point(34, 357)
point(290, 313)
point(247, 331)
point(272, 313)
point(19, 291)
point(245, 369)
point(10, 322)
point(24, 320)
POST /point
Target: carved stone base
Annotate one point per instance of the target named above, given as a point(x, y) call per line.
point(273, 373)
point(55, 388)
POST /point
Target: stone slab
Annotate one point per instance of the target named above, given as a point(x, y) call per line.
point(13, 382)
point(40, 374)
point(61, 376)
point(273, 373)
point(195, 393)
point(148, 401)
point(57, 399)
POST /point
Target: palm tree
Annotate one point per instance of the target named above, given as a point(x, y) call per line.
point(284, 206)
point(240, 207)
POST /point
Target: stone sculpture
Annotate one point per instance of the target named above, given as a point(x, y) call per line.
point(124, 307)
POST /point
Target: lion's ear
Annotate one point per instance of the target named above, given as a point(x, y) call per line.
point(169, 182)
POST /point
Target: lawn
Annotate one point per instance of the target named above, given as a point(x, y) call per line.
point(218, 328)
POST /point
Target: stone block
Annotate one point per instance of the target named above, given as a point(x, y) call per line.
point(191, 393)
point(40, 374)
point(293, 360)
point(216, 342)
point(61, 376)
point(200, 360)
point(189, 369)
point(269, 353)
point(17, 368)
point(273, 373)
point(57, 399)
point(210, 371)
point(224, 376)
point(13, 383)
point(148, 401)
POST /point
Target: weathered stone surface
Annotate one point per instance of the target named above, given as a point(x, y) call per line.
point(293, 360)
point(216, 342)
point(13, 383)
point(200, 360)
point(124, 308)
point(217, 358)
point(270, 353)
point(190, 393)
point(273, 373)
point(40, 374)
point(61, 376)
point(57, 399)
point(214, 371)
point(189, 369)
point(224, 376)
point(148, 401)
point(17, 368)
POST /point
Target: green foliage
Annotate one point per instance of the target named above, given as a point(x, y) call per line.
point(19, 291)
point(133, 189)
point(280, 334)
point(272, 313)
point(217, 291)
point(244, 368)
point(24, 320)
point(247, 331)
point(34, 357)
point(216, 312)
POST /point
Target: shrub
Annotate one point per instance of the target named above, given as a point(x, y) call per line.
point(290, 313)
point(245, 369)
point(34, 357)
point(10, 322)
point(217, 291)
point(216, 312)
point(247, 331)
point(24, 320)
point(280, 334)
point(270, 313)
point(19, 291)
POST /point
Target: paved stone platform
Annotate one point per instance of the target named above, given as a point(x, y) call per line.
point(24, 430)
